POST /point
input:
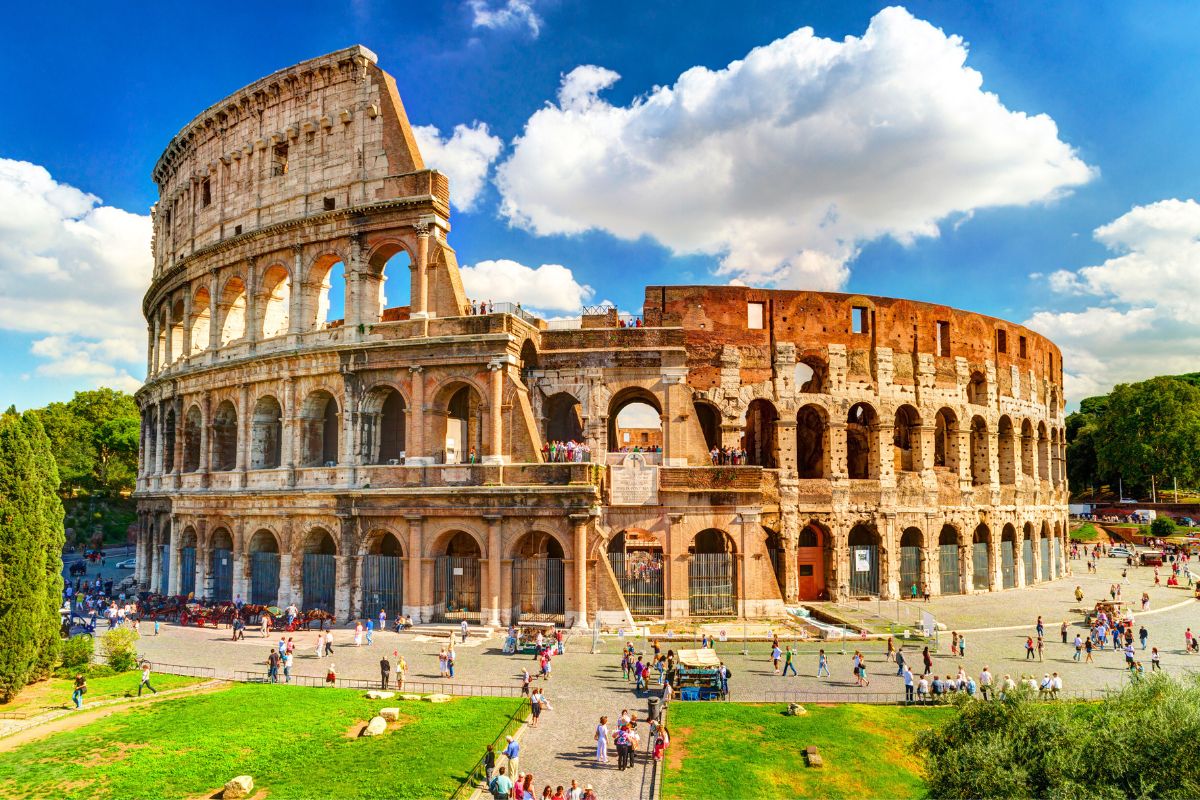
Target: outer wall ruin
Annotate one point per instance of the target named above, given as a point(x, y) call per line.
point(287, 456)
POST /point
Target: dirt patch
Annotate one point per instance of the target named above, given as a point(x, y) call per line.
point(677, 751)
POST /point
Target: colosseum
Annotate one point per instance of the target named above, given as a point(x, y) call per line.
point(308, 437)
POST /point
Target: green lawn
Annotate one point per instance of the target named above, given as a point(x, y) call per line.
point(56, 692)
point(296, 742)
point(748, 751)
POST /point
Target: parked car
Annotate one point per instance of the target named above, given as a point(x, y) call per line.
point(129, 563)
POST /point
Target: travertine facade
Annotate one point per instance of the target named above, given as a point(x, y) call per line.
point(285, 457)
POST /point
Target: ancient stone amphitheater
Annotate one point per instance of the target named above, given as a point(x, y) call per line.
point(306, 440)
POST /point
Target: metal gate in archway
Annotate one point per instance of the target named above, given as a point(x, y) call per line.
point(221, 569)
point(537, 590)
point(1045, 558)
point(1008, 566)
point(980, 565)
point(948, 568)
point(187, 570)
point(711, 585)
point(910, 570)
point(264, 578)
point(383, 585)
point(456, 589)
point(164, 572)
point(1027, 561)
point(640, 576)
point(864, 569)
point(320, 577)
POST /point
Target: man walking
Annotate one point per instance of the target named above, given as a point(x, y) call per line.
point(145, 684)
point(385, 672)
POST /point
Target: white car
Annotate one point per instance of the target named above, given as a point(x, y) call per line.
point(129, 563)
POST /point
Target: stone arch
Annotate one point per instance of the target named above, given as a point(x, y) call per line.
point(981, 558)
point(906, 439)
point(862, 428)
point(912, 562)
point(945, 439)
point(563, 417)
point(812, 442)
point(977, 389)
point(276, 301)
point(1008, 454)
point(644, 417)
point(384, 420)
point(388, 281)
point(202, 314)
point(708, 416)
point(760, 439)
point(980, 452)
point(319, 429)
point(193, 426)
point(863, 551)
point(224, 437)
point(233, 310)
point(458, 421)
point(266, 433)
point(811, 375)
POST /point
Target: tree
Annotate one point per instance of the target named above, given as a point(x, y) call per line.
point(1151, 430)
point(31, 540)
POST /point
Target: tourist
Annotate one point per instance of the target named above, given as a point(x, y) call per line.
point(145, 683)
point(822, 664)
point(80, 690)
point(512, 752)
point(385, 672)
point(500, 786)
point(602, 741)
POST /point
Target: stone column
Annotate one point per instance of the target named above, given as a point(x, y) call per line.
point(495, 453)
point(420, 290)
point(413, 596)
point(579, 523)
point(494, 557)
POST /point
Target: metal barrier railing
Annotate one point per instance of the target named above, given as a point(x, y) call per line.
point(478, 773)
point(415, 687)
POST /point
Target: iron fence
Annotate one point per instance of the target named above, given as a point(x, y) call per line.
point(538, 590)
point(711, 585)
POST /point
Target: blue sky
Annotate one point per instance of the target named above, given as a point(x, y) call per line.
point(998, 211)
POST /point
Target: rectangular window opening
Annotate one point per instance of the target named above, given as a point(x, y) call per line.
point(1001, 341)
point(943, 338)
point(859, 321)
point(1023, 352)
point(754, 316)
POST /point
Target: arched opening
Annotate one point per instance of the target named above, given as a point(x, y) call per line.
point(977, 390)
point(636, 558)
point(192, 426)
point(812, 436)
point(169, 441)
point(320, 570)
point(201, 320)
point(861, 428)
point(1044, 546)
point(276, 302)
point(1043, 459)
point(712, 576)
point(187, 562)
point(945, 440)
point(224, 437)
point(220, 566)
point(863, 567)
point(538, 588)
point(810, 562)
point(264, 568)
point(1028, 443)
point(981, 558)
point(328, 306)
point(1027, 562)
point(176, 331)
point(980, 457)
point(759, 440)
point(811, 376)
point(384, 426)
point(911, 557)
point(634, 422)
point(462, 440)
point(457, 578)
point(266, 434)
point(949, 560)
point(709, 419)
point(383, 575)
point(1008, 557)
point(389, 281)
point(319, 430)
point(564, 418)
point(233, 311)
point(906, 440)
point(1008, 454)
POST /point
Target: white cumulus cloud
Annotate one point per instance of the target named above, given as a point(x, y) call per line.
point(550, 287)
point(1143, 322)
point(785, 162)
point(509, 14)
point(465, 157)
point(73, 271)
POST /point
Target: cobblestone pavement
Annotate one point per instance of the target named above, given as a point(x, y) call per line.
point(585, 686)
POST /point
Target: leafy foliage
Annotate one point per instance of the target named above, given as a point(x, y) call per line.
point(1025, 748)
point(95, 440)
point(120, 648)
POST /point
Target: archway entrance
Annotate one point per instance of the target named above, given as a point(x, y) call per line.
point(637, 560)
point(220, 566)
point(910, 561)
point(320, 570)
point(537, 580)
point(712, 577)
point(264, 568)
point(383, 576)
point(948, 561)
point(457, 580)
point(864, 560)
point(810, 563)
point(1008, 557)
point(981, 558)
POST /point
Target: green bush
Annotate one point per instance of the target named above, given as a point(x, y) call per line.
point(1162, 526)
point(120, 650)
point(77, 651)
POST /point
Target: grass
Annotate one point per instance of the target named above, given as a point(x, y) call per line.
point(296, 742)
point(753, 751)
point(56, 692)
